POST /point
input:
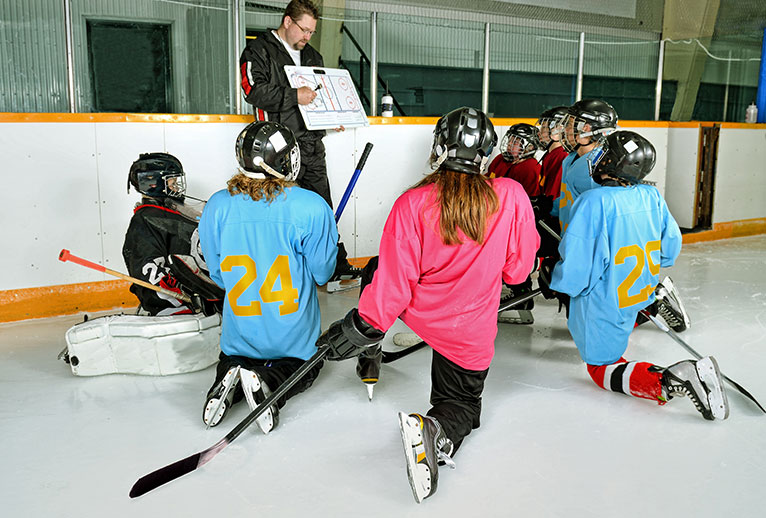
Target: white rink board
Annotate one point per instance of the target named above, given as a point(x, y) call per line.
point(740, 179)
point(71, 192)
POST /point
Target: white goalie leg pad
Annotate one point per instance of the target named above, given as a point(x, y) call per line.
point(152, 346)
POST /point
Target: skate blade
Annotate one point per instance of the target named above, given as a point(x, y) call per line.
point(419, 475)
point(524, 317)
point(343, 285)
point(707, 370)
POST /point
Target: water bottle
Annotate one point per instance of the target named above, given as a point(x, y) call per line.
point(387, 106)
point(751, 115)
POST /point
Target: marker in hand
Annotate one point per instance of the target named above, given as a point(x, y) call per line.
point(318, 87)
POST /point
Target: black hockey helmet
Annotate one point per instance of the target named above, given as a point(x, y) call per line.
point(627, 156)
point(158, 175)
point(549, 125)
point(265, 147)
point(521, 136)
point(463, 140)
point(597, 114)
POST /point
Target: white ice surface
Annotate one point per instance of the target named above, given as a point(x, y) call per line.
point(551, 443)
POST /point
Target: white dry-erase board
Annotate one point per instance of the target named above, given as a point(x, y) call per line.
point(337, 102)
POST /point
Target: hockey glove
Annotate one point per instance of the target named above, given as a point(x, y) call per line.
point(350, 336)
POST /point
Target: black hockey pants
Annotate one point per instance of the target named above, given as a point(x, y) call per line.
point(455, 397)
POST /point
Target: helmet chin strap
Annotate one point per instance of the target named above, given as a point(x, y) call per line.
point(483, 164)
point(259, 162)
point(440, 160)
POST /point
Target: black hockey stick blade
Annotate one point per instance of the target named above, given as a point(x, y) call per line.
point(180, 468)
point(682, 343)
point(173, 471)
point(392, 356)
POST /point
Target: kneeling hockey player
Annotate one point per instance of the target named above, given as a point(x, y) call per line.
point(162, 226)
point(269, 243)
point(447, 244)
point(619, 236)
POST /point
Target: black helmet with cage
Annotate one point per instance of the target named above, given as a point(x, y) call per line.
point(627, 159)
point(158, 175)
point(549, 125)
point(589, 118)
point(463, 140)
point(268, 148)
point(520, 141)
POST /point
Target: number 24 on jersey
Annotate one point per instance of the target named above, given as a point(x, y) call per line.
point(286, 295)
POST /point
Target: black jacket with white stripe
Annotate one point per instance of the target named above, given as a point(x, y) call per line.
point(265, 83)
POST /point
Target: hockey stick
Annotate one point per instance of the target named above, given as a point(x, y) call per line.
point(662, 327)
point(352, 182)
point(179, 468)
point(392, 356)
point(65, 256)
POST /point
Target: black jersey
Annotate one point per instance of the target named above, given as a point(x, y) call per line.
point(155, 232)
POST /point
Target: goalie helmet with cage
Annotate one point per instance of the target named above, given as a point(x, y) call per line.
point(593, 119)
point(520, 141)
point(463, 140)
point(627, 158)
point(158, 175)
point(549, 126)
point(268, 148)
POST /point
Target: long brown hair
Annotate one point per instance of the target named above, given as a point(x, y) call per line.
point(268, 188)
point(466, 202)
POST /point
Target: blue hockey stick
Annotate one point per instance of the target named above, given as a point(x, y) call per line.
point(352, 182)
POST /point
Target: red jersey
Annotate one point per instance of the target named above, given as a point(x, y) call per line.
point(526, 172)
point(550, 176)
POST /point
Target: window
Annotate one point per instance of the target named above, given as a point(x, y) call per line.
point(129, 67)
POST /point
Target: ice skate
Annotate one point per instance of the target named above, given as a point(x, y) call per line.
point(220, 398)
point(701, 381)
point(406, 339)
point(425, 447)
point(670, 307)
point(256, 391)
point(520, 314)
point(346, 277)
point(368, 368)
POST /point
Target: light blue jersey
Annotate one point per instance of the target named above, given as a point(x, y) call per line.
point(575, 180)
point(269, 257)
point(611, 254)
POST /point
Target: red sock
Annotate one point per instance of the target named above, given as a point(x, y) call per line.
point(631, 378)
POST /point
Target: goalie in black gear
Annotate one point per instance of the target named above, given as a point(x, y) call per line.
point(161, 244)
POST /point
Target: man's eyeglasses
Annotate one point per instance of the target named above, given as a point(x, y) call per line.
point(306, 32)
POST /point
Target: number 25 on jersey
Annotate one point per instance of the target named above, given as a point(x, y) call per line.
point(287, 296)
point(643, 257)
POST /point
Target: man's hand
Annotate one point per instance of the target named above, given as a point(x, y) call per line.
point(306, 95)
point(349, 337)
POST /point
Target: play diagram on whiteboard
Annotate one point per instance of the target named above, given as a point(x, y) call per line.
point(336, 103)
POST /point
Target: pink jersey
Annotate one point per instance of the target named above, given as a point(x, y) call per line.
point(449, 294)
